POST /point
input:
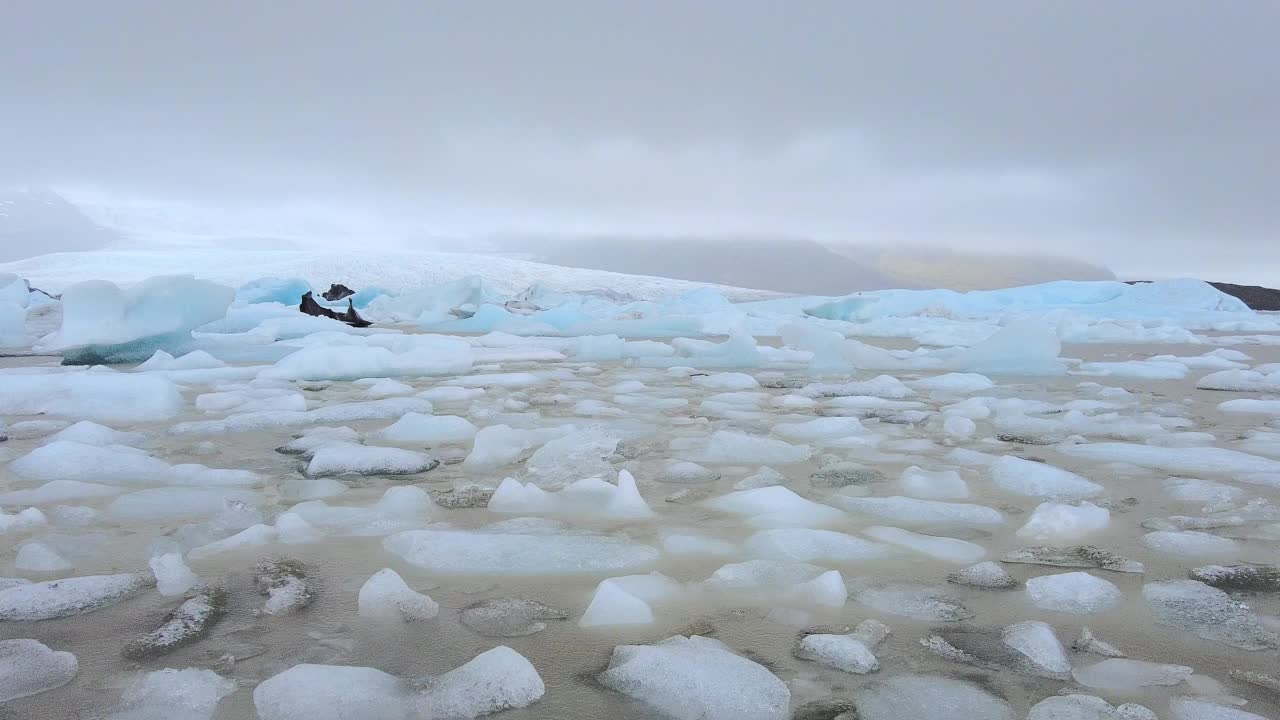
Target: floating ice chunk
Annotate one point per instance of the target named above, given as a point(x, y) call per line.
point(1145, 369)
point(939, 548)
point(758, 581)
point(29, 667)
point(173, 577)
point(274, 419)
point(684, 543)
point(764, 477)
point(914, 602)
point(914, 512)
point(92, 395)
point(928, 697)
point(255, 400)
point(251, 537)
point(39, 557)
point(956, 383)
point(346, 458)
point(13, 324)
point(292, 529)
point(1056, 524)
point(986, 574)
point(100, 321)
point(69, 596)
point(173, 503)
point(1192, 708)
point(591, 496)
point(195, 360)
point(694, 678)
point(1038, 649)
point(456, 551)
point(806, 545)
point(498, 679)
point(725, 381)
point(1207, 460)
point(495, 680)
point(1215, 495)
point(686, 472)
point(1086, 707)
point(386, 387)
point(726, 446)
point(116, 465)
point(86, 432)
point(299, 489)
point(776, 506)
point(451, 394)
point(628, 600)
point(500, 380)
point(498, 445)
point(1078, 593)
point(1025, 477)
point(958, 427)
point(1241, 381)
point(577, 455)
point(427, 355)
point(428, 429)
point(828, 428)
point(400, 508)
point(1126, 676)
point(882, 386)
point(1207, 612)
point(1251, 405)
point(842, 652)
point(1189, 543)
point(316, 438)
point(1024, 347)
point(385, 596)
point(28, 519)
point(933, 485)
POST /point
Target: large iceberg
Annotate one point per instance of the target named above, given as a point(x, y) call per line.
point(103, 323)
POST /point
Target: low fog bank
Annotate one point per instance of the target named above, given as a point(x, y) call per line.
point(805, 266)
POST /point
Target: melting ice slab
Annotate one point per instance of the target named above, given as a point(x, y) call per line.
point(498, 679)
point(455, 551)
point(692, 678)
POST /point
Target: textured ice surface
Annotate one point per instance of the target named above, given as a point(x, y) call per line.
point(842, 652)
point(29, 667)
point(776, 506)
point(933, 485)
point(1191, 708)
point(764, 581)
point(1025, 477)
point(463, 552)
point(928, 697)
point(342, 458)
point(591, 497)
point(1124, 675)
point(1086, 707)
point(69, 596)
point(692, 678)
point(99, 319)
point(938, 548)
point(1054, 523)
point(914, 512)
point(1037, 649)
point(428, 429)
point(1190, 543)
point(575, 456)
point(629, 600)
point(102, 396)
point(986, 574)
point(1207, 612)
point(727, 446)
point(1078, 593)
point(495, 680)
point(1207, 460)
point(385, 596)
point(914, 602)
point(807, 545)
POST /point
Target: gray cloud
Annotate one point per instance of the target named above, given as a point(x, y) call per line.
point(1117, 131)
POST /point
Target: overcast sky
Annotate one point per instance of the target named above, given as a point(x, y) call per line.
point(1138, 134)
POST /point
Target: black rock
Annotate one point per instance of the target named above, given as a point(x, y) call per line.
point(337, 291)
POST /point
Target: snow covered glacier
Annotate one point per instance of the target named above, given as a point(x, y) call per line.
point(634, 499)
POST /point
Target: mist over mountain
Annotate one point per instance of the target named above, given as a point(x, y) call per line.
point(38, 221)
point(804, 266)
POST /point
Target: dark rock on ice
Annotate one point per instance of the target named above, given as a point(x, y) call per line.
point(1084, 556)
point(509, 616)
point(350, 317)
point(284, 583)
point(188, 623)
point(1259, 578)
point(337, 291)
point(469, 497)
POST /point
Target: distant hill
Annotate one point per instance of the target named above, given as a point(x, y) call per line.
point(35, 222)
point(782, 265)
point(962, 270)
